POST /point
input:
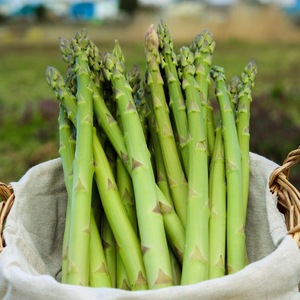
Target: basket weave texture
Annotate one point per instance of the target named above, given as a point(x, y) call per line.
point(7, 199)
point(288, 197)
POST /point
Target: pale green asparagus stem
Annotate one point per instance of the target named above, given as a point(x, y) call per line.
point(99, 274)
point(217, 221)
point(203, 47)
point(125, 186)
point(176, 176)
point(243, 125)
point(235, 208)
point(110, 250)
point(67, 153)
point(176, 101)
point(122, 279)
point(195, 259)
point(79, 246)
point(151, 227)
point(176, 267)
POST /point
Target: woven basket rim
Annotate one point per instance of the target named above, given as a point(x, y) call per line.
point(8, 197)
point(288, 197)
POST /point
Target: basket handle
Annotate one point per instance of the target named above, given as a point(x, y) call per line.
point(288, 197)
point(7, 197)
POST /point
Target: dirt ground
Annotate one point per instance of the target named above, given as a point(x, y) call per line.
point(249, 23)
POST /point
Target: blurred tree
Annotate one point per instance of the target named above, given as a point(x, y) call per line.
point(41, 13)
point(129, 6)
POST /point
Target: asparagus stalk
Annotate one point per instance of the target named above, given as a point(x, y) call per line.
point(195, 259)
point(67, 153)
point(203, 47)
point(151, 228)
point(235, 208)
point(109, 250)
point(99, 274)
point(78, 249)
point(176, 176)
point(125, 186)
point(121, 275)
point(243, 125)
point(217, 221)
point(176, 101)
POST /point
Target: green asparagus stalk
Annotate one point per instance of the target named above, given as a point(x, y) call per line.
point(176, 267)
point(195, 259)
point(109, 249)
point(235, 209)
point(125, 186)
point(67, 154)
point(203, 47)
point(151, 228)
point(99, 274)
point(176, 101)
point(122, 279)
point(243, 125)
point(118, 220)
point(175, 173)
point(78, 249)
point(217, 221)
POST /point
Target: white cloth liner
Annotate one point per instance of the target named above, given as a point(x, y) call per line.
point(30, 264)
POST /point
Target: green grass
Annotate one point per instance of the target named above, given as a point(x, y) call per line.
point(29, 137)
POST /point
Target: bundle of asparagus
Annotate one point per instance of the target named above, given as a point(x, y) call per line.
point(157, 194)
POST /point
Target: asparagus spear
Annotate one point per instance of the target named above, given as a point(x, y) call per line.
point(176, 176)
point(217, 221)
point(99, 274)
point(125, 186)
point(67, 153)
point(235, 208)
point(195, 259)
point(153, 239)
point(203, 47)
point(176, 101)
point(83, 170)
point(109, 249)
point(243, 124)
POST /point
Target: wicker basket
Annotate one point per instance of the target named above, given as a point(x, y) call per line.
point(288, 197)
point(7, 199)
point(287, 194)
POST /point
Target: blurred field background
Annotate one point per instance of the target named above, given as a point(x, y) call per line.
point(29, 110)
